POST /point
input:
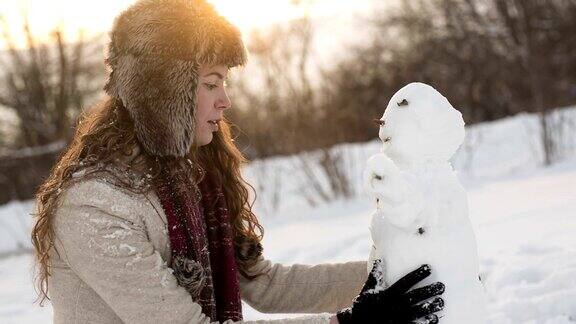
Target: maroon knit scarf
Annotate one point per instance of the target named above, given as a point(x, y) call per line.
point(202, 243)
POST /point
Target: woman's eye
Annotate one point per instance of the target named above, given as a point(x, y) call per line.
point(210, 86)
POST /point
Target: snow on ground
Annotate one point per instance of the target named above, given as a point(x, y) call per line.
point(524, 217)
point(17, 295)
point(14, 224)
point(525, 228)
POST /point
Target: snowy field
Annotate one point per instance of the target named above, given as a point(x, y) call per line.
point(524, 216)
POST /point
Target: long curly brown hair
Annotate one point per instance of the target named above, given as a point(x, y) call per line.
point(106, 132)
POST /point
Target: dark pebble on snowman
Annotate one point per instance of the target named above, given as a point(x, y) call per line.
point(404, 102)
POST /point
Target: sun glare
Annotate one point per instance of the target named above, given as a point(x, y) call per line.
point(71, 16)
point(249, 14)
point(93, 17)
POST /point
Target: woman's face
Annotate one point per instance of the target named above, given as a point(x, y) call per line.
point(212, 101)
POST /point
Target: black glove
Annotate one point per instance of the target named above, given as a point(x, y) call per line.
point(395, 305)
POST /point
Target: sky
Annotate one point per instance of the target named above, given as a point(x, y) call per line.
point(95, 17)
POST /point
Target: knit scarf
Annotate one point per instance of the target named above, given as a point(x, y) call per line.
point(202, 243)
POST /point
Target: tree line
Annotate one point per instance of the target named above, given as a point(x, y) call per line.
point(490, 58)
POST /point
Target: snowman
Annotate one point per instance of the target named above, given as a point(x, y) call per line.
point(421, 212)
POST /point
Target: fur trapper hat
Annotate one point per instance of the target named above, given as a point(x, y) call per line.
point(154, 56)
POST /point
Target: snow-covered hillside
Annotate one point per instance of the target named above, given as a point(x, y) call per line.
point(524, 216)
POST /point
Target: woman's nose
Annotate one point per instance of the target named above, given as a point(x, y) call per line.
point(224, 101)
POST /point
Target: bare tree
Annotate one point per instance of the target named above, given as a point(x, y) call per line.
point(282, 112)
point(492, 58)
point(47, 84)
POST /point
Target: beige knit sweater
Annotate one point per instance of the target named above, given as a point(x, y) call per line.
point(109, 266)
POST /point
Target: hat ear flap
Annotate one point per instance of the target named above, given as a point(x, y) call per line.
point(160, 96)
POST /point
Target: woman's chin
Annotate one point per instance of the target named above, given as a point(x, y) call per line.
point(205, 139)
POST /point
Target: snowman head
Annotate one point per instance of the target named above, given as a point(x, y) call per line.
point(420, 125)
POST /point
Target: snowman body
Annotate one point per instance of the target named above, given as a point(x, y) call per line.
point(422, 209)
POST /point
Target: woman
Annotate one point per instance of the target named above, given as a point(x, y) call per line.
point(145, 218)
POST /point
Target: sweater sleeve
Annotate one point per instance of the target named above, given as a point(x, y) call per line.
point(302, 288)
point(104, 241)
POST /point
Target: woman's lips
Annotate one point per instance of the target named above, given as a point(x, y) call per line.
point(214, 124)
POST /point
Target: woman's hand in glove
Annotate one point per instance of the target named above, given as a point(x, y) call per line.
point(396, 304)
